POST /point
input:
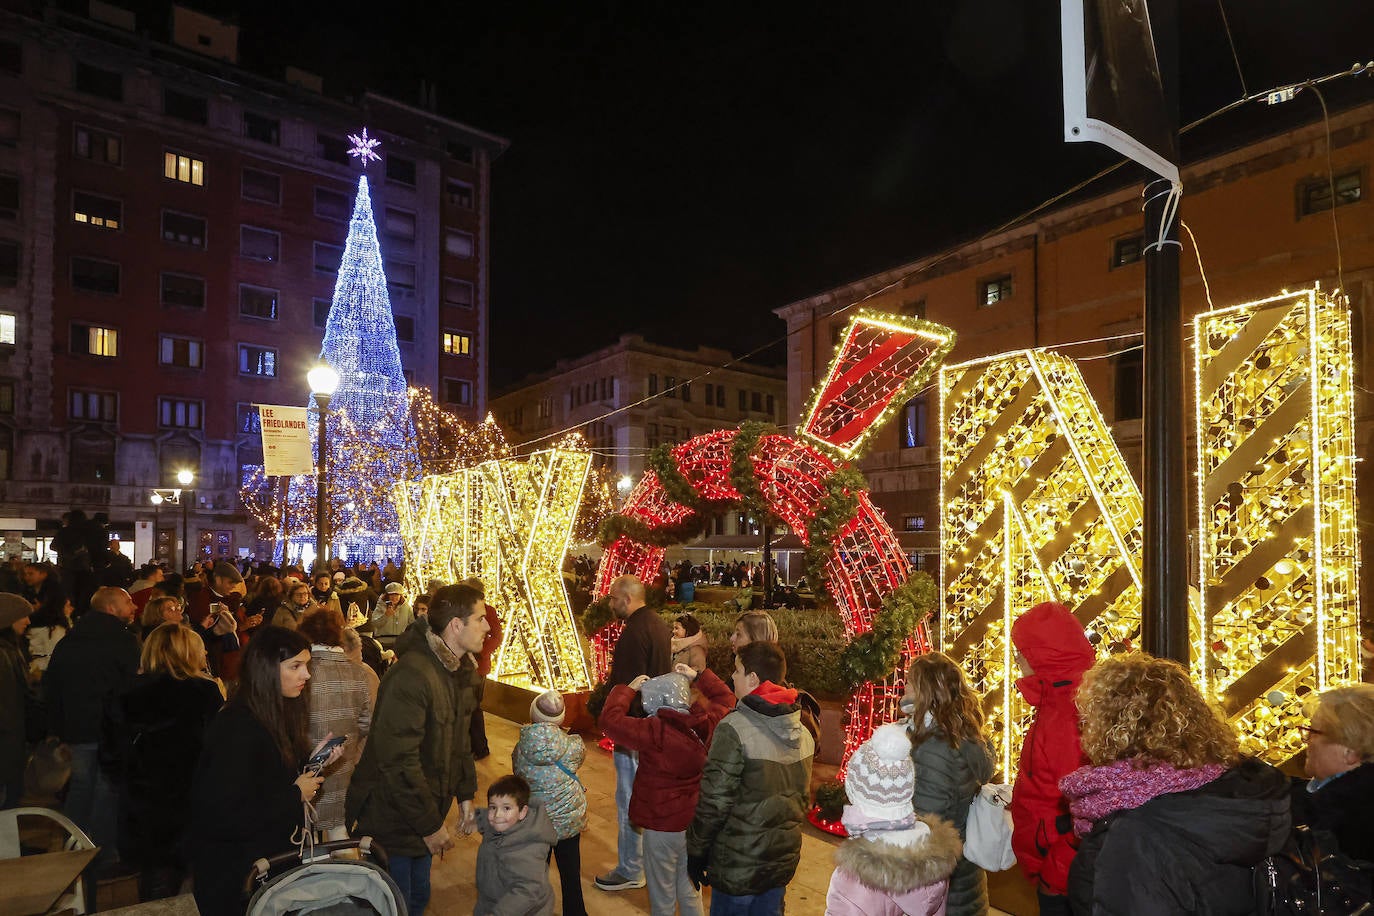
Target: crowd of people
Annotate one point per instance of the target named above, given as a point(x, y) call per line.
point(188, 706)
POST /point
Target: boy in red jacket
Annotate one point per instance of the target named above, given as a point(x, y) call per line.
point(1053, 653)
point(672, 744)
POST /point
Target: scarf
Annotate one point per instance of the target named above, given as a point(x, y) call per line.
point(696, 639)
point(1096, 792)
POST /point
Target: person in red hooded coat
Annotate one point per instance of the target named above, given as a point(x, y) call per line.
point(1053, 653)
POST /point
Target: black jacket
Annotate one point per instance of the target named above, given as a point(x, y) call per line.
point(645, 647)
point(92, 664)
point(1343, 807)
point(153, 738)
point(1184, 852)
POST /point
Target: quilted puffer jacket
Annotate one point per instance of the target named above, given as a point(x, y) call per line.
point(538, 753)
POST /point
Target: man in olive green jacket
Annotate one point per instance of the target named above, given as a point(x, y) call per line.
point(418, 759)
point(745, 840)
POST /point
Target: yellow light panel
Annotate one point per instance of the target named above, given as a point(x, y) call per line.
point(508, 522)
point(1037, 504)
point(1279, 555)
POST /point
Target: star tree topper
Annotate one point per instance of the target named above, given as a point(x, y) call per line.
point(363, 147)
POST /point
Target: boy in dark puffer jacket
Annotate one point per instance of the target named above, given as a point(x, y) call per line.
point(672, 744)
point(1053, 653)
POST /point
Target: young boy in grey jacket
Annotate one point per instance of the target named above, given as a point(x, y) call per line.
point(513, 863)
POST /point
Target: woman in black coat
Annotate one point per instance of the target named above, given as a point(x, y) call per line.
point(1339, 796)
point(153, 737)
point(248, 790)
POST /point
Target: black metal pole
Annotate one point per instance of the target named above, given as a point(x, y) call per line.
point(767, 566)
point(185, 530)
point(322, 486)
point(157, 528)
point(1164, 618)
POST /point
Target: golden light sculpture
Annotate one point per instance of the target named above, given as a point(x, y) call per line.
point(1037, 504)
point(508, 522)
point(1279, 552)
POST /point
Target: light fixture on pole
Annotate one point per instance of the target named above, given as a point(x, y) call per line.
point(185, 478)
point(157, 523)
point(323, 381)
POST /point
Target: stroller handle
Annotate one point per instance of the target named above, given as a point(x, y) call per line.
point(367, 847)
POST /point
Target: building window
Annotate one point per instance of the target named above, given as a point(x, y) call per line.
point(319, 312)
point(669, 386)
point(183, 168)
point(686, 389)
point(456, 343)
point(11, 57)
point(458, 243)
point(174, 413)
point(94, 210)
point(98, 145)
point(259, 244)
point(9, 127)
point(1128, 375)
point(100, 406)
point(400, 170)
point(183, 229)
point(1127, 250)
point(332, 149)
point(755, 401)
point(257, 302)
point(460, 151)
point(7, 398)
point(260, 361)
point(651, 435)
point(916, 423)
point(768, 405)
point(95, 341)
point(92, 457)
point(914, 522)
point(328, 257)
point(720, 395)
point(249, 420)
point(459, 193)
point(9, 263)
point(743, 400)
point(95, 276)
point(991, 292)
point(261, 128)
point(107, 84)
point(401, 274)
point(263, 187)
point(332, 205)
point(9, 328)
point(405, 328)
point(185, 107)
point(457, 391)
point(9, 197)
point(182, 290)
point(399, 224)
point(1316, 194)
point(915, 308)
point(457, 292)
point(653, 383)
point(183, 352)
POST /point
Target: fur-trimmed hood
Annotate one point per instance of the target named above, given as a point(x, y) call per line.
point(899, 869)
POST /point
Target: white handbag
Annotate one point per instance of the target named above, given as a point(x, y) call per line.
point(987, 837)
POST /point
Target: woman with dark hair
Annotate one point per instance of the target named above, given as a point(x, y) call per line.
point(248, 793)
point(340, 704)
point(1172, 817)
point(152, 740)
point(953, 760)
point(689, 643)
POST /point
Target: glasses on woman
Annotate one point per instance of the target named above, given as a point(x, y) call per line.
point(1309, 731)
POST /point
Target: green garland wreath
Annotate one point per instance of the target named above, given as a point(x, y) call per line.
point(679, 490)
point(835, 509)
point(873, 655)
point(742, 475)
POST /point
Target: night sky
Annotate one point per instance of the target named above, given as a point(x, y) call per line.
point(682, 172)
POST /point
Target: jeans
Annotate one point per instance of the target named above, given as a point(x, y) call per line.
point(411, 874)
point(665, 870)
point(769, 903)
point(568, 854)
point(92, 801)
point(629, 843)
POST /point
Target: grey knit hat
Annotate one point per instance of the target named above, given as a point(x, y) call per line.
point(667, 691)
point(12, 608)
point(547, 707)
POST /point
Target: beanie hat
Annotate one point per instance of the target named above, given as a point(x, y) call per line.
point(12, 608)
point(667, 691)
point(227, 571)
point(881, 777)
point(547, 707)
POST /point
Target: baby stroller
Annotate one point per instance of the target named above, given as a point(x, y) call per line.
point(344, 878)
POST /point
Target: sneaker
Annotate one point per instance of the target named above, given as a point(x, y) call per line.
point(615, 881)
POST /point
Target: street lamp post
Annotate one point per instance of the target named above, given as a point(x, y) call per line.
point(157, 522)
point(323, 381)
point(185, 478)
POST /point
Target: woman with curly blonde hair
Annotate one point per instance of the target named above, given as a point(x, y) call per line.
point(953, 759)
point(1172, 817)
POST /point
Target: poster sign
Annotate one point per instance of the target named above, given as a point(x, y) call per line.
point(285, 441)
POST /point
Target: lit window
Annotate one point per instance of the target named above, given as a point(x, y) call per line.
point(94, 210)
point(916, 423)
point(991, 292)
point(178, 414)
point(249, 420)
point(95, 341)
point(456, 344)
point(183, 168)
point(181, 351)
point(9, 325)
point(914, 522)
point(260, 361)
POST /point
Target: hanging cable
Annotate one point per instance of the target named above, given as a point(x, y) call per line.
point(1331, 187)
point(1221, 6)
point(1198, 251)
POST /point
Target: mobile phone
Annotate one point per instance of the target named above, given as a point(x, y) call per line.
point(217, 608)
point(317, 759)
